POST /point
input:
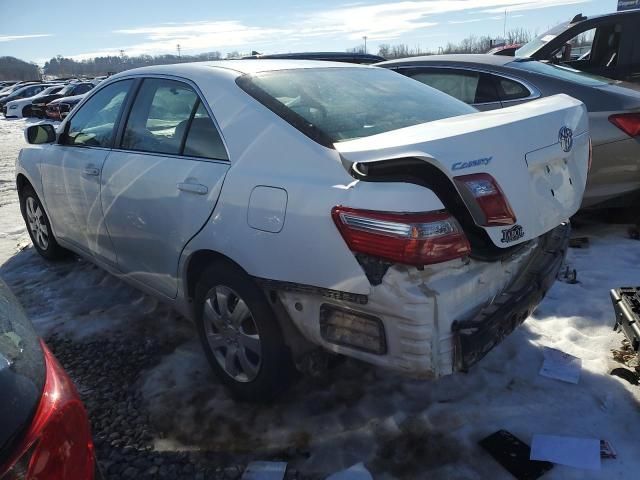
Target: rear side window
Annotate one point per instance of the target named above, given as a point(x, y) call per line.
point(203, 139)
point(93, 125)
point(511, 90)
point(466, 85)
point(168, 117)
point(160, 116)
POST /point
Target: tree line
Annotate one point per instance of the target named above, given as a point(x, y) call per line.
point(66, 67)
point(471, 44)
point(12, 68)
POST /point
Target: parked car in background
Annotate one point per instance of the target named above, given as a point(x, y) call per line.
point(25, 91)
point(346, 57)
point(67, 104)
point(38, 108)
point(490, 82)
point(314, 218)
point(506, 50)
point(22, 107)
point(8, 90)
point(605, 45)
point(45, 431)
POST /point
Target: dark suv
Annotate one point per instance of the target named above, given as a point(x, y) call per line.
point(606, 45)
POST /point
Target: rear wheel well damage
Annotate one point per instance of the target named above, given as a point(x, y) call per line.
point(420, 172)
point(202, 259)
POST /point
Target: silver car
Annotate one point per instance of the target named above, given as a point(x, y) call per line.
point(489, 82)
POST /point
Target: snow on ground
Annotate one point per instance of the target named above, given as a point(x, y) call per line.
point(400, 428)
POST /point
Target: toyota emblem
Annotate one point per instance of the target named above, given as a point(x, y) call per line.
point(566, 138)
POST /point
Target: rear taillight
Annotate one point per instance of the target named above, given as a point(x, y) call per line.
point(481, 190)
point(58, 444)
point(408, 238)
point(629, 123)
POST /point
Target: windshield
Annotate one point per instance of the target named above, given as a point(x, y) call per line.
point(67, 90)
point(540, 41)
point(560, 72)
point(339, 104)
point(21, 369)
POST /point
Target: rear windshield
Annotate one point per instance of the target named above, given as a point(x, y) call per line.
point(335, 104)
point(560, 72)
point(540, 41)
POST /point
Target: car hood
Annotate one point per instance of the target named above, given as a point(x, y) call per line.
point(72, 99)
point(22, 371)
point(47, 98)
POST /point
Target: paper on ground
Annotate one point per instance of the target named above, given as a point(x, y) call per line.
point(265, 471)
point(570, 451)
point(560, 365)
point(356, 472)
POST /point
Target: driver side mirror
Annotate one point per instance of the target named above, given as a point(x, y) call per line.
point(40, 134)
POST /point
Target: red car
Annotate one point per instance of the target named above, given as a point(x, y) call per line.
point(44, 433)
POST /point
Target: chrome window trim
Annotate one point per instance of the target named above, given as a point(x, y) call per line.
point(534, 93)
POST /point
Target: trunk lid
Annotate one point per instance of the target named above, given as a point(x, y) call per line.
point(520, 147)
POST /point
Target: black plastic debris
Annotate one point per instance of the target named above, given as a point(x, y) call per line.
point(626, 374)
point(513, 454)
point(568, 275)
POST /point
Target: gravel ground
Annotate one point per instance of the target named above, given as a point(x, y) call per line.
point(106, 373)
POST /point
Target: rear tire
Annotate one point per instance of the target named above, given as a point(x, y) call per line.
point(38, 226)
point(240, 334)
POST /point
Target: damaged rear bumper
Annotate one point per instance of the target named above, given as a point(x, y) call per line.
point(474, 338)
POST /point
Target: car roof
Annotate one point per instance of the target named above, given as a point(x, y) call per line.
point(246, 66)
point(354, 57)
point(477, 58)
point(605, 15)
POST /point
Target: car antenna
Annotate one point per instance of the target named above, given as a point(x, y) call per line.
point(578, 18)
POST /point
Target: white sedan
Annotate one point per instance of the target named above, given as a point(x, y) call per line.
point(295, 207)
point(20, 108)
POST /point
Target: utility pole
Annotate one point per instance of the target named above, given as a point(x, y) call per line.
point(504, 34)
point(178, 47)
point(365, 43)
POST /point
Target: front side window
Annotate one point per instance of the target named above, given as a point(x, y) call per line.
point(94, 124)
point(336, 104)
point(160, 116)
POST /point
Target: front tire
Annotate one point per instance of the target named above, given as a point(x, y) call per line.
point(38, 226)
point(240, 334)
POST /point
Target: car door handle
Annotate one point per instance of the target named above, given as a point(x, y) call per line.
point(196, 188)
point(94, 172)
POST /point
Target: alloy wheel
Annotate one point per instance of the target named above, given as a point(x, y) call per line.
point(232, 334)
point(37, 224)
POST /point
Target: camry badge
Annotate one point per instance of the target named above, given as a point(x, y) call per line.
point(565, 136)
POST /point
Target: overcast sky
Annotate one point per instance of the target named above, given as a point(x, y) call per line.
point(39, 30)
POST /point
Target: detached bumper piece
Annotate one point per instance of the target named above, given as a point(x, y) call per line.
point(626, 303)
point(474, 338)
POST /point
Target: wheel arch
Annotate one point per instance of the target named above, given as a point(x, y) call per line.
point(196, 264)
